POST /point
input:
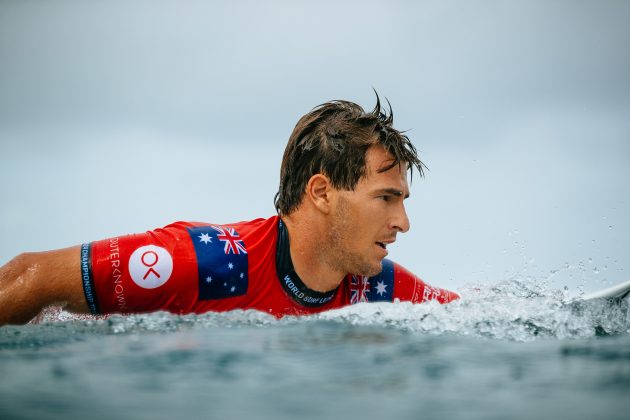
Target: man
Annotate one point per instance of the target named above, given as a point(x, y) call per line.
point(343, 182)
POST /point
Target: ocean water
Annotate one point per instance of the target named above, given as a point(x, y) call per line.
point(508, 351)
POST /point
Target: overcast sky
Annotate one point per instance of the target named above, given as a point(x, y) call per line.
point(123, 116)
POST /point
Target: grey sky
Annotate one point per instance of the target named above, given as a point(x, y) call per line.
point(124, 116)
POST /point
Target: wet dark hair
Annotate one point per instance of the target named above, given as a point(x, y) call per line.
point(333, 140)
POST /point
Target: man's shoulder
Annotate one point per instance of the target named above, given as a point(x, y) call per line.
point(245, 224)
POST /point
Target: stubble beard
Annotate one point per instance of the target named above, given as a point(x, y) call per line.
point(339, 255)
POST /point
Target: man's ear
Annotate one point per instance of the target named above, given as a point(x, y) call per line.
point(319, 192)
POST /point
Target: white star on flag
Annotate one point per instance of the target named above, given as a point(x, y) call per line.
point(230, 266)
point(232, 289)
point(209, 279)
point(205, 238)
point(380, 288)
point(242, 275)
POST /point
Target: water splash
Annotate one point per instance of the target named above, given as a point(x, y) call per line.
point(497, 314)
point(516, 310)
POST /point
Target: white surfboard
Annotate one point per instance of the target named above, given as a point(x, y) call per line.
point(620, 291)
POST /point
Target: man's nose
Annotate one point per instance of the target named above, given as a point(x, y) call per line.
point(401, 222)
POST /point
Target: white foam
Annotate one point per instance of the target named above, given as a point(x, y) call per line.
point(510, 310)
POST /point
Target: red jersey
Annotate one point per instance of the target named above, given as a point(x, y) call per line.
point(199, 267)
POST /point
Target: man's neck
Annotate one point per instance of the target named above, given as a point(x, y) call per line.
point(309, 256)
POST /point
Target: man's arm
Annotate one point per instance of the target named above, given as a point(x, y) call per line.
point(32, 281)
point(409, 287)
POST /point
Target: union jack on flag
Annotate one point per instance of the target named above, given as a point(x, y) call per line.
point(228, 235)
point(359, 287)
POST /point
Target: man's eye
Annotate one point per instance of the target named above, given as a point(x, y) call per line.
point(385, 197)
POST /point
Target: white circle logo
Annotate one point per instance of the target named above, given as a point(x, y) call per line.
point(150, 266)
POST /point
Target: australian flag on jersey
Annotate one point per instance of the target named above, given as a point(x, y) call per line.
point(373, 289)
point(221, 262)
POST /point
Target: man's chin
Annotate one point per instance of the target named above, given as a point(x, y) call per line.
point(372, 269)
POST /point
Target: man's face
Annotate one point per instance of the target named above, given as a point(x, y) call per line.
point(365, 221)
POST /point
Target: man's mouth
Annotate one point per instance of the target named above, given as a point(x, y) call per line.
point(382, 245)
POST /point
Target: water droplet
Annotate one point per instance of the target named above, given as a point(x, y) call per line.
point(610, 227)
point(590, 261)
point(595, 270)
